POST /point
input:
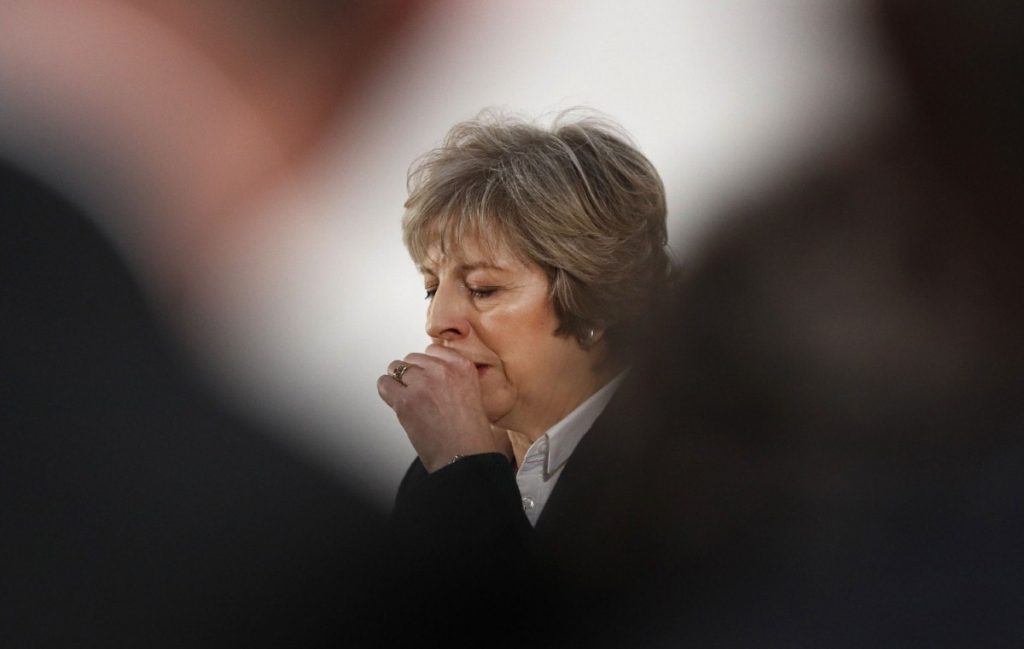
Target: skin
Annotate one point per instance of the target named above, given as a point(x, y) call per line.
point(496, 375)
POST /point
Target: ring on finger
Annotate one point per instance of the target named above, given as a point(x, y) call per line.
point(399, 372)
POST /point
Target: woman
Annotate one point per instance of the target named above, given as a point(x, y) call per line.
point(540, 250)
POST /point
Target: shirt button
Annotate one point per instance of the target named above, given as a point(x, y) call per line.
point(528, 504)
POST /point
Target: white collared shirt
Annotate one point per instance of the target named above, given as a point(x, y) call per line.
point(544, 460)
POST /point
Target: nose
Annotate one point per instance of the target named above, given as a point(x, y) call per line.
point(446, 315)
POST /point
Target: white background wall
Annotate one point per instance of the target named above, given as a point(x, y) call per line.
point(312, 305)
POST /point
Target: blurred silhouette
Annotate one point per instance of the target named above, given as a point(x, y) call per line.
point(837, 391)
point(135, 509)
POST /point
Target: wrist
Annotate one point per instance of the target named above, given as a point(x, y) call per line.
point(448, 461)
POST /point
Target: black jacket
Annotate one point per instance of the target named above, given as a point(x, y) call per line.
point(571, 578)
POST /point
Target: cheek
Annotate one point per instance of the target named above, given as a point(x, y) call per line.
point(518, 351)
point(523, 338)
point(530, 363)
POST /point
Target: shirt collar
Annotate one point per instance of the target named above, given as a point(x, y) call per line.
point(564, 436)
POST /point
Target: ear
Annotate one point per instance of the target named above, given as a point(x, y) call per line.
point(592, 336)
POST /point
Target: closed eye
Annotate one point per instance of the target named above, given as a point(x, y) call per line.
point(481, 293)
point(430, 293)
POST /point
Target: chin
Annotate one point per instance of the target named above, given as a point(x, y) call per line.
point(495, 416)
point(496, 410)
point(499, 400)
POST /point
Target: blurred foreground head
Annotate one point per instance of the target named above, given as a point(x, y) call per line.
point(175, 119)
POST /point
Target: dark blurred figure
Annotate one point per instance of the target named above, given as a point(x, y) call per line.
point(135, 509)
point(838, 456)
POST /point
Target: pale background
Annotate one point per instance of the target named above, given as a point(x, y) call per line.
point(307, 309)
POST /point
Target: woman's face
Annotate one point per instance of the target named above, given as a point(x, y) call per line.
point(496, 311)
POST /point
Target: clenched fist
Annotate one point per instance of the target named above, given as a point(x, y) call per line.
point(439, 404)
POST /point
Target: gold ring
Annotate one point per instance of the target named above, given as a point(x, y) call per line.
point(399, 372)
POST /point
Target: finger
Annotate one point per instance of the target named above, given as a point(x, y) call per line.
point(394, 365)
point(402, 371)
point(423, 361)
point(387, 388)
point(443, 364)
point(446, 354)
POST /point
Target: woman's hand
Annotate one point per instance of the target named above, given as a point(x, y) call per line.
point(439, 405)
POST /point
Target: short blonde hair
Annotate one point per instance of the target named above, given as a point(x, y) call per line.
point(577, 199)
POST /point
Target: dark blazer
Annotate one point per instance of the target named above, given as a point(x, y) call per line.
point(584, 560)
